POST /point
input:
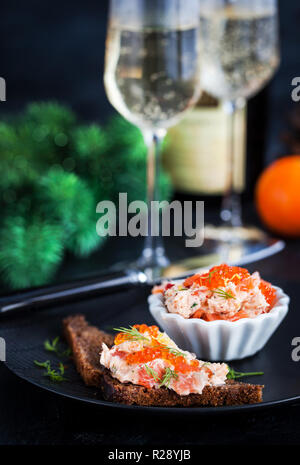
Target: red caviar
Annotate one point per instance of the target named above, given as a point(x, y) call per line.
point(152, 330)
point(268, 291)
point(155, 350)
point(219, 276)
point(143, 356)
point(120, 337)
point(181, 365)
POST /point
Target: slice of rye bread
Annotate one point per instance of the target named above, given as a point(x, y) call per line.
point(86, 344)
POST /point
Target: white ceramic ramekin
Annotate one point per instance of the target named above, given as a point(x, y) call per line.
point(220, 340)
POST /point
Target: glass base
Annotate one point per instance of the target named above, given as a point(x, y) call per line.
point(151, 263)
point(240, 245)
point(149, 267)
point(153, 258)
point(234, 246)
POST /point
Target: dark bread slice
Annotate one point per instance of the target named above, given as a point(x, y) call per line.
point(231, 393)
point(86, 344)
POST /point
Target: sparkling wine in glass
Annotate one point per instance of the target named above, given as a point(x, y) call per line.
point(152, 78)
point(239, 55)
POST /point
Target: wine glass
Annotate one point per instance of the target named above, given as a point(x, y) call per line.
point(239, 55)
point(152, 77)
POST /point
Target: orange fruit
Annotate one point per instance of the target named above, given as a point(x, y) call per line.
point(278, 196)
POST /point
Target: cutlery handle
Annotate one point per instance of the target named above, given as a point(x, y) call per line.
point(57, 295)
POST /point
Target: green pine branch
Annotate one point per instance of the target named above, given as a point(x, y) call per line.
point(30, 251)
point(54, 171)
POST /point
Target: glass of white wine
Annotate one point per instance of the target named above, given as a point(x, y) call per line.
point(239, 55)
point(151, 78)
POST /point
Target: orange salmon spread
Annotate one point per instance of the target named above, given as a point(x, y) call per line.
point(222, 293)
point(145, 356)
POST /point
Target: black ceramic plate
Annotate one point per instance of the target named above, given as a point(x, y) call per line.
point(25, 334)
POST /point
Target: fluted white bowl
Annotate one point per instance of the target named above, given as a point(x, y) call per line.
point(220, 339)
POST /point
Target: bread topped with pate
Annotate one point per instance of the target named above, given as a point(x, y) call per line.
point(143, 366)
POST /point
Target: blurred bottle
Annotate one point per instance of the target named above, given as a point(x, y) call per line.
point(196, 153)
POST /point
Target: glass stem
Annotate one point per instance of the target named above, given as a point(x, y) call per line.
point(231, 214)
point(153, 253)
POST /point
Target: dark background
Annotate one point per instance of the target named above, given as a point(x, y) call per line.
point(55, 50)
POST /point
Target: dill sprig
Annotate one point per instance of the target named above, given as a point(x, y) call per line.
point(45, 364)
point(210, 275)
point(53, 346)
point(167, 377)
point(54, 375)
point(165, 380)
point(174, 351)
point(232, 374)
point(132, 333)
point(223, 293)
point(152, 372)
point(61, 368)
point(135, 335)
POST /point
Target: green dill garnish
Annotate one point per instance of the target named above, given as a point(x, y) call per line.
point(194, 305)
point(223, 293)
point(132, 333)
point(51, 373)
point(135, 335)
point(182, 289)
point(54, 376)
point(42, 364)
point(152, 373)
point(167, 377)
point(172, 350)
point(53, 346)
point(67, 352)
point(210, 275)
point(61, 368)
point(236, 275)
point(175, 352)
point(232, 374)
